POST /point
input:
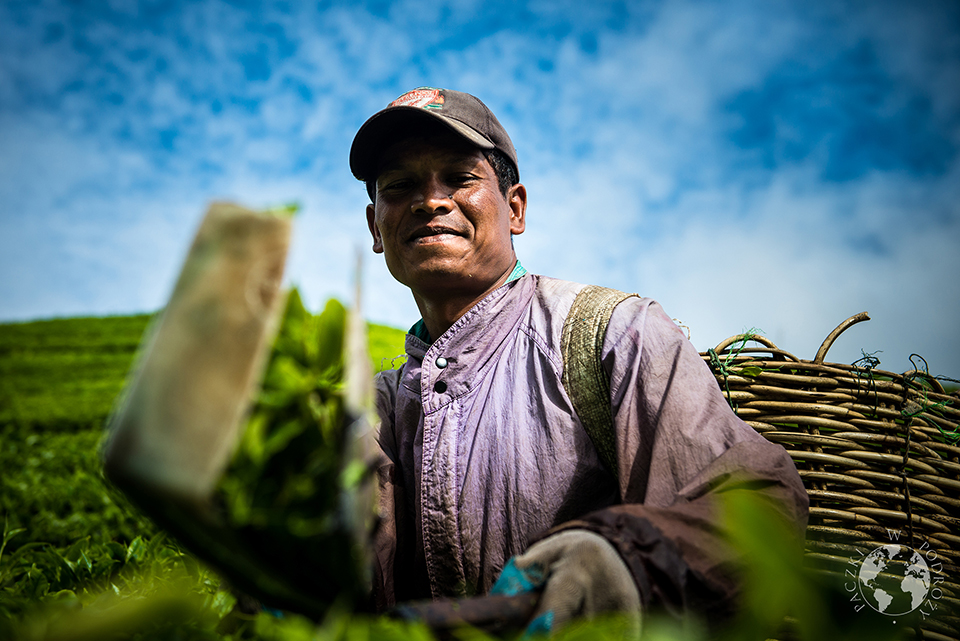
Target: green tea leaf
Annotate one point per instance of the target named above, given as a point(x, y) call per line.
point(330, 332)
point(286, 209)
point(282, 436)
point(287, 377)
point(135, 550)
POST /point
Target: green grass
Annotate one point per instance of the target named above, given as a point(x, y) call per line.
point(64, 374)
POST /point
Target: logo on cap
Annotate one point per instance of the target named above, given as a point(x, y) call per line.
point(424, 97)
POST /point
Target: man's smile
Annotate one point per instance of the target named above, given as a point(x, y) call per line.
point(432, 234)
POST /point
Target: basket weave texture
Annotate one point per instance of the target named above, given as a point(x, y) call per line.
point(877, 452)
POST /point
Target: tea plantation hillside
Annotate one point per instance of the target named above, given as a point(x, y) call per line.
point(68, 537)
point(63, 375)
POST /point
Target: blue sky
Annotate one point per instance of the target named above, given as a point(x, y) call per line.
point(779, 165)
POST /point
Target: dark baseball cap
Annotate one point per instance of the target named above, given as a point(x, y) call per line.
point(459, 112)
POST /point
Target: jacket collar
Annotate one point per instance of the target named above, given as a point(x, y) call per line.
point(470, 344)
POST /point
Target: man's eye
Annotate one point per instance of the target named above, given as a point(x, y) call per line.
point(460, 179)
point(395, 185)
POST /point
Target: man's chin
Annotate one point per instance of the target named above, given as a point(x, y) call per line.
point(438, 274)
point(442, 280)
point(440, 277)
point(437, 259)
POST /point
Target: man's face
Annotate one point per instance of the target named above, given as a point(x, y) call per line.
point(440, 219)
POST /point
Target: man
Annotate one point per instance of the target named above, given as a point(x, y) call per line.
point(487, 459)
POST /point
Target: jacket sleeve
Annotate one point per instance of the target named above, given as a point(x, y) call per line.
point(679, 447)
point(390, 496)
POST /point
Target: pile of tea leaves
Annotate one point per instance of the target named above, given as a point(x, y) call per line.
point(285, 488)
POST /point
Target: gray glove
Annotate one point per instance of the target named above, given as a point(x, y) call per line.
point(582, 576)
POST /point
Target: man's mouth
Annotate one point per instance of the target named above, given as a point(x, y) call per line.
point(432, 234)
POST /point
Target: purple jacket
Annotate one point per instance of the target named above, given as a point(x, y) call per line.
point(484, 453)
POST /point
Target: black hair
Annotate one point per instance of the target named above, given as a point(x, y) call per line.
point(506, 174)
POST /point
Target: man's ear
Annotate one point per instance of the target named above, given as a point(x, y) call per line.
point(517, 201)
point(374, 231)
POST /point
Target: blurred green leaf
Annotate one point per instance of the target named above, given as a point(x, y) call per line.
point(286, 209)
point(774, 583)
point(253, 441)
point(331, 325)
point(280, 437)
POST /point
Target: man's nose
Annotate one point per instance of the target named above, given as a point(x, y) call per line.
point(434, 196)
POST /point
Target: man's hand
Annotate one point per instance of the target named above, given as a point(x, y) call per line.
point(581, 575)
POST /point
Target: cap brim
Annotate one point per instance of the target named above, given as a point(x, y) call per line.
point(385, 126)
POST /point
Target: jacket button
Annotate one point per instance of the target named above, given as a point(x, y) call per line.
point(440, 387)
point(441, 362)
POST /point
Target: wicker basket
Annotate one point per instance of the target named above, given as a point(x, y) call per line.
point(876, 450)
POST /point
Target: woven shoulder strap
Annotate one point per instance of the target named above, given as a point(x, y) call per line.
point(587, 385)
